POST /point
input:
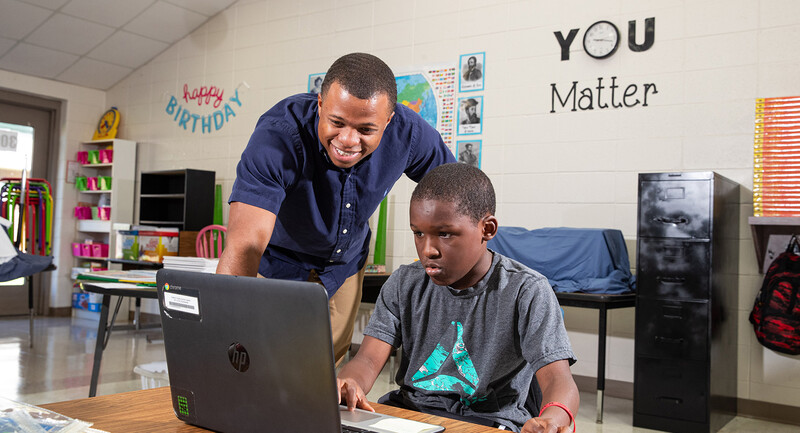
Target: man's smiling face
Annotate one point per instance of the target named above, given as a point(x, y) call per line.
point(351, 128)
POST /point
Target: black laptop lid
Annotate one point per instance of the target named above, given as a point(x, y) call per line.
point(248, 354)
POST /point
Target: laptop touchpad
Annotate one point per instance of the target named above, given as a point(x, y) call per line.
point(356, 416)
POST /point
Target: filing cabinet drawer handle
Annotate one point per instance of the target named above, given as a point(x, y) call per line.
point(668, 220)
point(671, 280)
point(660, 339)
point(672, 399)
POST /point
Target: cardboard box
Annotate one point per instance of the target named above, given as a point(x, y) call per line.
point(86, 301)
point(157, 244)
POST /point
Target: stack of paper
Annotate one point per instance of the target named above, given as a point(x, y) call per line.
point(776, 159)
point(193, 264)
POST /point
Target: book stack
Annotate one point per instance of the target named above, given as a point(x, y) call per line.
point(776, 157)
point(192, 264)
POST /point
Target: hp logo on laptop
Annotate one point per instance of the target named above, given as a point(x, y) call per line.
point(237, 354)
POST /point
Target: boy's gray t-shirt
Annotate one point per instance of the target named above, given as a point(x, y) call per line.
point(471, 352)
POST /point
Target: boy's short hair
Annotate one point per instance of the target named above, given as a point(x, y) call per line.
point(363, 76)
point(462, 184)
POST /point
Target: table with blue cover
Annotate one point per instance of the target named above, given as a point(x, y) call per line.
point(588, 268)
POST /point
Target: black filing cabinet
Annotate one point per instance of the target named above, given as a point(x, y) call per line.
point(686, 302)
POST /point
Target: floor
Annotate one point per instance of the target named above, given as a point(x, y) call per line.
point(59, 368)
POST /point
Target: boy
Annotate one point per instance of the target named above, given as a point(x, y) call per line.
point(474, 326)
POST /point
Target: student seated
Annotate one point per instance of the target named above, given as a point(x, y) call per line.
point(474, 326)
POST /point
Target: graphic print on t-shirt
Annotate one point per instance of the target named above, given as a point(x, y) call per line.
point(436, 374)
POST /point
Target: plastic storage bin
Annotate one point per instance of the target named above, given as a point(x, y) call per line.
point(94, 156)
point(99, 250)
point(104, 182)
point(83, 212)
point(104, 213)
point(91, 183)
point(81, 183)
point(83, 157)
point(153, 374)
point(106, 156)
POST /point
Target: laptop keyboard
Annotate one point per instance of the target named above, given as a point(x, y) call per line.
point(351, 429)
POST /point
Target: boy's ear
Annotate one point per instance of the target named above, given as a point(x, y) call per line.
point(489, 227)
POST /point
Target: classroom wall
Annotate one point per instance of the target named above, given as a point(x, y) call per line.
point(711, 59)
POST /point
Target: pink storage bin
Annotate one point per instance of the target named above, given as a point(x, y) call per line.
point(91, 183)
point(76, 249)
point(104, 213)
point(83, 212)
point(99, 250)
point(86, 250)
point(83, 157)
point(106, 155)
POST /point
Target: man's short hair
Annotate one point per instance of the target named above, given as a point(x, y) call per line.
point(363, 76)
point(461, 184)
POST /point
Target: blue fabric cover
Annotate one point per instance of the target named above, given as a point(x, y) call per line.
point(23, 265)
point(573, 259)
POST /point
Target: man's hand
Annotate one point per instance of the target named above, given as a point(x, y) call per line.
point(543, 425)
point(353, 394)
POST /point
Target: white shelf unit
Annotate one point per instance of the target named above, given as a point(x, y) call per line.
point(120, 197)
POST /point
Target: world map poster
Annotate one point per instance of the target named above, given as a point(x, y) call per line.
point(431, 93)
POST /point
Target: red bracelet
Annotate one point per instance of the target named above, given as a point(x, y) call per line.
point(555, 403)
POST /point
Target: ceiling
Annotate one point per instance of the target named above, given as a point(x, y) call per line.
point(94, 43)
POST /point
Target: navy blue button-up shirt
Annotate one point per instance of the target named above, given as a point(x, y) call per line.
point(323, 211)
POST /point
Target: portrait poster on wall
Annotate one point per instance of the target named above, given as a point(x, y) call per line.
point(315, 82)
point(469, 152)
point(470, 114)
point(472, 72)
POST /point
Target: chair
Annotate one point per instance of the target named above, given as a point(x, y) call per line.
point(210, 241)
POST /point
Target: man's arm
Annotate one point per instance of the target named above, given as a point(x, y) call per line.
point(249, 231)
point(357, 376)
point(557, 385)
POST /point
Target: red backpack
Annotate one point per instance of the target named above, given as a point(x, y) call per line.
point(776, 312)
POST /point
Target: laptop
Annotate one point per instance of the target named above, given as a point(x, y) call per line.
point(255, 354)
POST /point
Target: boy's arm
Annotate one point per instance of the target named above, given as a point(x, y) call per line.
point(557, 385)
point(357, 376)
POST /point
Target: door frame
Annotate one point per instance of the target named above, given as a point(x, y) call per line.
point(54, 109)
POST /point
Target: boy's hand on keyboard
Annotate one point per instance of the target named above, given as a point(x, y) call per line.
point(352, 394)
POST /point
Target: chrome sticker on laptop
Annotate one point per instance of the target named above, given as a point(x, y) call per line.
point(186, 304)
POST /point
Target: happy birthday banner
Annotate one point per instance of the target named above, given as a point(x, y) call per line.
point(204, 98)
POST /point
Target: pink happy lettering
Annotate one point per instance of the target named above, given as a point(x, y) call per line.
point(203, 95)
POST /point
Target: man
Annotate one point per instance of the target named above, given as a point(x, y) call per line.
point(314, 171)
point(467, 156)
point(471, 112)
point(473, 72)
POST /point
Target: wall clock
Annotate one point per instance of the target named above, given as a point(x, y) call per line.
point(107, 126)
point(601, 39)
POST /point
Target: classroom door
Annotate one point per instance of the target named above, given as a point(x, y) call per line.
point(33, 126)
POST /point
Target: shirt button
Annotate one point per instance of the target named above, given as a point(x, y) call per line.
point(347, 205)
point(344, 231)
point(338, 251)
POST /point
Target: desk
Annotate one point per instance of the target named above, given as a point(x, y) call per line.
point(104, 327)
point(150, 411)
point(603, 303)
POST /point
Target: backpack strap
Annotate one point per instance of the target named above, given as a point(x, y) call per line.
point(793, 244)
